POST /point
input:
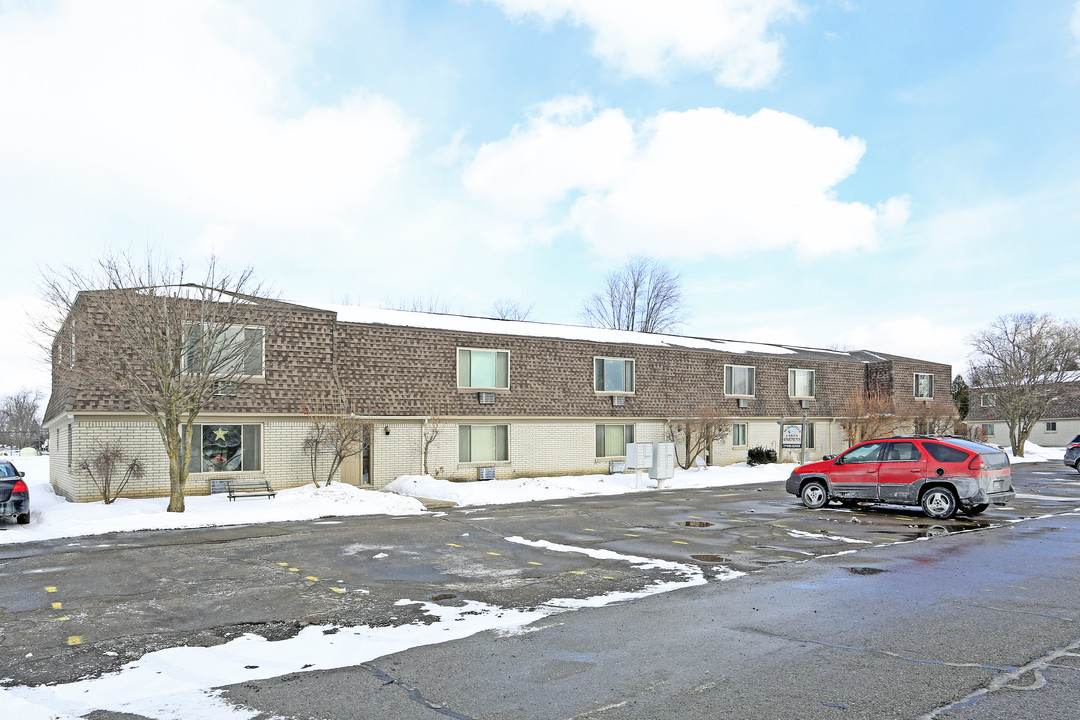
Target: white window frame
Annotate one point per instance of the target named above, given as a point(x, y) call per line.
point(793, 383)
point(915, 385)
point(729, 373)
point(988, 428)
point(196, 449)
point(244, 373)
point(633, 431)
point(1051, 427)
point(470, 350)
point(745, 435)
point(632, 378)
point(988, 400)
point(497, 459)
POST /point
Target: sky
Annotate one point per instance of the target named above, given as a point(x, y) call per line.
point(886, 175)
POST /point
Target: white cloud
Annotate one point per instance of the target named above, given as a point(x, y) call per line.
point(731, 38)
point(184, 104)
point(690, 184)
point(918, 337)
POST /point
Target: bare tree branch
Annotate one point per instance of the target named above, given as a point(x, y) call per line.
point(335, 436)
point(506, 309)
point(698, 434)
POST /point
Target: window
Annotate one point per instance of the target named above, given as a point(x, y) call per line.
point(868, 453)
point(800, 383)
point(613, 375)
point(988, 428)
point(611, 440)
point(988, 400)
point(738, 435)
point(924, 385)
point(483, 369)
point(70, 443)
point(483, 443)
point(809, 435)
point(235, 350)
point(224, 447)
point(902, 452)
point(739, 380)
point(1051, 427)
point(944, 453)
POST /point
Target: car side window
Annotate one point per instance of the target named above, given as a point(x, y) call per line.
point(901, 452)
point(7, 470)
point(944, 453)
point(868, 453)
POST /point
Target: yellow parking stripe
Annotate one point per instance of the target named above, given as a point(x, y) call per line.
point(454, 545)
point(61, 619)
point(50, 588)
point(283, 564)
point(495, 553)
point(57, 606)
point(312, 578)
point(680, 542)
point(294, 569)
point(535, 563)
point(338, 590)
point(588, 529)
point(631, 535)
point(578, 572)
point(74, 640)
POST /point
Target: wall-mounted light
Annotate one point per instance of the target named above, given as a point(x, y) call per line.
point(386, 429)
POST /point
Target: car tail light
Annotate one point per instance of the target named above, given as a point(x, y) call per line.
point(20, 486)
point(1073, 445)
point(976, 463)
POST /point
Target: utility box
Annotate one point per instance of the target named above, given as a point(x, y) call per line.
point(663, 461)
point(639, 456)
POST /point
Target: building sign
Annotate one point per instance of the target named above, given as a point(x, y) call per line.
point(792, 436)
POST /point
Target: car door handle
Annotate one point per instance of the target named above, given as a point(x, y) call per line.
point(915, 472)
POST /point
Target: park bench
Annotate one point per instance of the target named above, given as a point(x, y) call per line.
point(249, 488)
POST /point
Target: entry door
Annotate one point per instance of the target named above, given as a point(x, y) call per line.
point(350, 470)
point(902, 465)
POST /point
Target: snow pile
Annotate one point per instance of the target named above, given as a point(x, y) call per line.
point(52, 516)
point(1035, 453)
point(501, 492)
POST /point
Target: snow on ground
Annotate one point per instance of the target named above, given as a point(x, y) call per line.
point(1035, 453)
point(501, 492)
point(52, 516)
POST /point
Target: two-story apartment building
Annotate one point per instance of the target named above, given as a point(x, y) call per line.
point(507, 398)
point(1056, 428)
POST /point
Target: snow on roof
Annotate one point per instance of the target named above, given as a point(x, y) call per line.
point(493, 326)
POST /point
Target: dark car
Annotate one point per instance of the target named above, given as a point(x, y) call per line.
point(940, 474)
point(14, 495)
point(1072, 454)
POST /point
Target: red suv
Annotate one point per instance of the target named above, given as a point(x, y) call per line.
point(942, 474)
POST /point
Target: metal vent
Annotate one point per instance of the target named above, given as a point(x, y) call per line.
point(487, 473)
point(225, 388)
point(618, 401)
point(744, 403)
point(616, 467)
point(804, 403)
point(487, 398)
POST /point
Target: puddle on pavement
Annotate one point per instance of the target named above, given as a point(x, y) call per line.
point(865, 570)
point(695, 523)
point(711, 558)
point(441, 597)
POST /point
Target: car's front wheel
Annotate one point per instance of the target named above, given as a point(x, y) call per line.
point(23, 518)
point(813, 495)
point(939, 503)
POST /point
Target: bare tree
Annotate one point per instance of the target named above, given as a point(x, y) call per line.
point(1022, 357)
point(335, 436)
point(19, 420)
point(643, 295)
point(936, 419)
point(431, 431)
point(417, 303)
point(139, 331)
point(697, 434)
point(870, 414)
point(506, 309)
point(101, 467)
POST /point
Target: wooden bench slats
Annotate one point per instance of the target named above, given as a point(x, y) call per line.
point(249, 488)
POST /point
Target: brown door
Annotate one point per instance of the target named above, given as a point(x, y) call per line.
point(350, 470)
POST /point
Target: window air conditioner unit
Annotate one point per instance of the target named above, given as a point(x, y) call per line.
point(225, 388)
point(744, 403)
point(487, 398)
point(616, 467)
point(487, 473)
point(804, 403)
point(618, 401)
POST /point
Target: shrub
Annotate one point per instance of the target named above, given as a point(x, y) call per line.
point(760, 456)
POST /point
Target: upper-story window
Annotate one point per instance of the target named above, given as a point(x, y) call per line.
point(739, 380)
point(235, 350)
point(987, 400)
point(924, 385)
point(800, 383)
point(483, 369)
point(613, 375)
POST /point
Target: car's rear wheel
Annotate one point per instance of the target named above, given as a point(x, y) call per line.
point(813, 495)
point(976, 509)
point(939, 503)
point(1077, 466)
point(23, 518)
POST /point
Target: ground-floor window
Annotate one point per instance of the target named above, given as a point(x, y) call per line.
point(226, 447)
point(988, 428)
point(1051, 427)
point(611, 440)
point(483, 443)
point(738, 435)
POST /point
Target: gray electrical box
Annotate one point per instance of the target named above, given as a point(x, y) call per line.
point(663, 461)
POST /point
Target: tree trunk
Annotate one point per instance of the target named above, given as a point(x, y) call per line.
point(178, 463)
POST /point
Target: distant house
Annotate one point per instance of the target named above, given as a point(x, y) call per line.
point(509, 399)
point(1057, 428)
